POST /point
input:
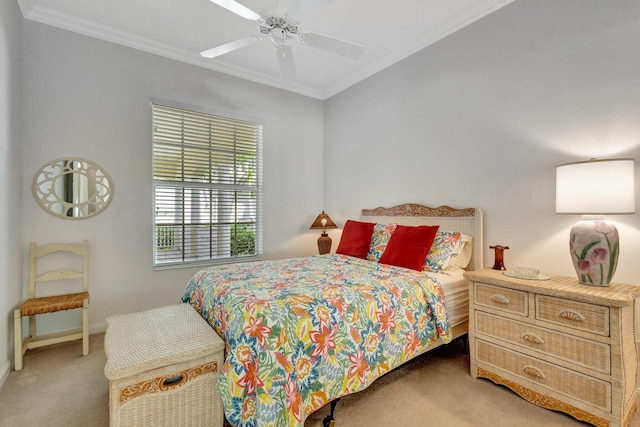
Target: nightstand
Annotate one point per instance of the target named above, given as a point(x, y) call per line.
point(556, 343)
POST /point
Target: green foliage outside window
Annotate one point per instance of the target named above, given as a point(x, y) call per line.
point(165, 237)
point(243, 240)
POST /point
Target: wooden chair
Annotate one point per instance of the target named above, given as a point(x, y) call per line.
point(50, 304)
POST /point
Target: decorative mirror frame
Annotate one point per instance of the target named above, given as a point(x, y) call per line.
point(44, 188)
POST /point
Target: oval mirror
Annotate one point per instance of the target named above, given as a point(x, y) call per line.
point(72, 188)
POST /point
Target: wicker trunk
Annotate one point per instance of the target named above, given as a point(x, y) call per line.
point(163, 366)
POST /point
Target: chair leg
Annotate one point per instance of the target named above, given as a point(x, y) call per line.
point(17, 335)
point(32, 328)
point(85, 327)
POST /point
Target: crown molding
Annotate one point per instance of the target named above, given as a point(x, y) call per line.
point(25, 6)
point(51, 17)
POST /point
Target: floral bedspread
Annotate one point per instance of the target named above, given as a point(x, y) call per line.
point(301, 332)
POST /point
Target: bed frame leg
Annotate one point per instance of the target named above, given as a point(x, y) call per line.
point(328, 420)
point(465, 344)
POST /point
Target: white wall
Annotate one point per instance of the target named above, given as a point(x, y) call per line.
point(10, 174)
point(91, 99)
point(483, 117)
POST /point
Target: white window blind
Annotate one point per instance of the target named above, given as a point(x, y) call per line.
point(206, 186)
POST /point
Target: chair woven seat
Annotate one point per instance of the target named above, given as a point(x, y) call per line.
point(52, 304)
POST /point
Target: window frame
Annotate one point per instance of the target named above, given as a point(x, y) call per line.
point(185, 184)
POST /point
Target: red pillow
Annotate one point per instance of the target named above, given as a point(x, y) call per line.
point(356, 238)
point(409, 246)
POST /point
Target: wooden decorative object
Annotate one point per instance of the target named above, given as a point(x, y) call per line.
point(165, 383)
point(544, 401)
point(499, 257)
point(412, 209)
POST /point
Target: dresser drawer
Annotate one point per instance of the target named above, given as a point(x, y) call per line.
point(572, 384)
point(507, 300)
point(590, 354)
point(573, 314)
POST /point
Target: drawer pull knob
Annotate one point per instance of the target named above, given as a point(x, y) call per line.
point(572, 315)
point(532, 371)
point(500, 299)
point(532, 338)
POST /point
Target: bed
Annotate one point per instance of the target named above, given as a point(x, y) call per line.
point(302, 332)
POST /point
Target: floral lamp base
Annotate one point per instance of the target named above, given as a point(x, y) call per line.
point(594, 245)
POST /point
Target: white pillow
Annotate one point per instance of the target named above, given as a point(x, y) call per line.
point(462, 258)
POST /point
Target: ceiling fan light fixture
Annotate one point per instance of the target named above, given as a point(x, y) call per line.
point(278, 36)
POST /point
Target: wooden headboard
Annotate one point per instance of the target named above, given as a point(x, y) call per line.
point(467, 221)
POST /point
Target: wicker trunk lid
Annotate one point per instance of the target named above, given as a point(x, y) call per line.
point(139, 342)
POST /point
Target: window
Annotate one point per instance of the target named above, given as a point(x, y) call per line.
point(206, 186)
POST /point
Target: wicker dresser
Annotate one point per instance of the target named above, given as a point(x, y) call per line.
point(556, 343)
point(163, 366)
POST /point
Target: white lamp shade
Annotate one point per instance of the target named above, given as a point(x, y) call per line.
point(596, 187)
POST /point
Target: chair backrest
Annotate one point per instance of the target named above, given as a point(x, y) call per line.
point(38, 252)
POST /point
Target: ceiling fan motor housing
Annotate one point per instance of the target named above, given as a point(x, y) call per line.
point(277, 25)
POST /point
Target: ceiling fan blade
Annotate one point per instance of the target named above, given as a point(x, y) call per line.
point(285, 60)
point(341, 47)
point(300, 10)
point(230, 47)
point(238, 9)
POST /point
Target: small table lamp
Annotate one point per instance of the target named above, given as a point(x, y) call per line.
point(323, 222)
point(594, 188)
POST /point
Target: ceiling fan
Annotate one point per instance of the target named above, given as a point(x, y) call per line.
point(279, 25)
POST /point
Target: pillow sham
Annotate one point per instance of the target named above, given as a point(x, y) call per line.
point(445, 244)
point(408, 246)
point(462, 257)
point(379, 240)
point(355, 239)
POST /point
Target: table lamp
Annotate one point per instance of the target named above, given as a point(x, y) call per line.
point(323, 222)
point(594, 188)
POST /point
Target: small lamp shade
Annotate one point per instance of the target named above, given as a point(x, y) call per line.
point(323, 222)
point(594, 188)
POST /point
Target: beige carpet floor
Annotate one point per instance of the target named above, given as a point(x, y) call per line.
point(59, 387)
